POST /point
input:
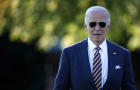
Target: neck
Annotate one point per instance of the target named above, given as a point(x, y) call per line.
point(97, 43)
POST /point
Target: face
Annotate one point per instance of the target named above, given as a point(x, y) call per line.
point(97, 26)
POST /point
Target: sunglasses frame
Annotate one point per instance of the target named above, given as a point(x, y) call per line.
point(101, 24)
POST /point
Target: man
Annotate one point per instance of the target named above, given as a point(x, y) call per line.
point(95, 63)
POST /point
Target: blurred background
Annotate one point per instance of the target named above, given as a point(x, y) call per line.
point(34, 32)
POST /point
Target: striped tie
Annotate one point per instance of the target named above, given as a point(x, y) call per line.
point(97, 69)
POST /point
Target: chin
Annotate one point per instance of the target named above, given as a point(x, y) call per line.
point(98, 41)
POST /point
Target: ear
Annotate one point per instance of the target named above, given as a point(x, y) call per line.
point(85, 26)
point(108, 27)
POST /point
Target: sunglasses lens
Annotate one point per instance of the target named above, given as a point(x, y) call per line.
point(102, 24)
point(92, 24)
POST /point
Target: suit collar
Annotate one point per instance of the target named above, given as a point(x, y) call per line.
point(92, 46)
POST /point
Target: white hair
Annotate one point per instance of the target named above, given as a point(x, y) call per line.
point(97, 8)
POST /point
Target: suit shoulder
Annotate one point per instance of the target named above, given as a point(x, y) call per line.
point(118, 47)
point(76, 45)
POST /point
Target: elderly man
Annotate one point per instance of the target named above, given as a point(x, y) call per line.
point(95, 63)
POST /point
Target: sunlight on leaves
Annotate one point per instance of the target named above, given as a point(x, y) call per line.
point(16, 33)
point(50, 21)
point(67, 40)
point(134, 42)
point(49, 28)
point(51, 5)
point(71, 28)
point(46, 42)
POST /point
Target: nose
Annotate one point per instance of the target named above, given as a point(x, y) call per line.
point(97, 27)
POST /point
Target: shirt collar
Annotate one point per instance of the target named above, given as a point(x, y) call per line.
point(92, 46)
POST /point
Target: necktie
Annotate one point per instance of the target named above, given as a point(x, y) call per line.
point(97, 69)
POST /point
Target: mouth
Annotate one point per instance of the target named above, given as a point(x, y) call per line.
point(97, 34)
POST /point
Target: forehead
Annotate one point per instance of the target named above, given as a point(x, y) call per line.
point(98, 16)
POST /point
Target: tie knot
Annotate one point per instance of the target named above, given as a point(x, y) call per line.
point(97, 48)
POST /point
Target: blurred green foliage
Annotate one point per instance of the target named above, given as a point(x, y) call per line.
point(49, 22)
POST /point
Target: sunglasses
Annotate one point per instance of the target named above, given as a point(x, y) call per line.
point(101, 24)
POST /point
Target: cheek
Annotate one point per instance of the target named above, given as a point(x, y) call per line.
point(105, 30)
point(91, 31)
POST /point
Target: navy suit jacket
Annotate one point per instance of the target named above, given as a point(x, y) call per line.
point(74, 70)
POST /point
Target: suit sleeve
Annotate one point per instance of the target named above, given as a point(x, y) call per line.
point(128, 77)
point(62, 78)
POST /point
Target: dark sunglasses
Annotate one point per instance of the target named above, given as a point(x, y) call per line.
point(101, 24)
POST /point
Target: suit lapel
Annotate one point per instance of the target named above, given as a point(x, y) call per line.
point(85, 60)
point(110, 64)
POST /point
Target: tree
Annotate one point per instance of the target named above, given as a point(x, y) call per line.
point(53, 22)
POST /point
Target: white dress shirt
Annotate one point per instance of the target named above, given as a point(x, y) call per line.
point(104, 58)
